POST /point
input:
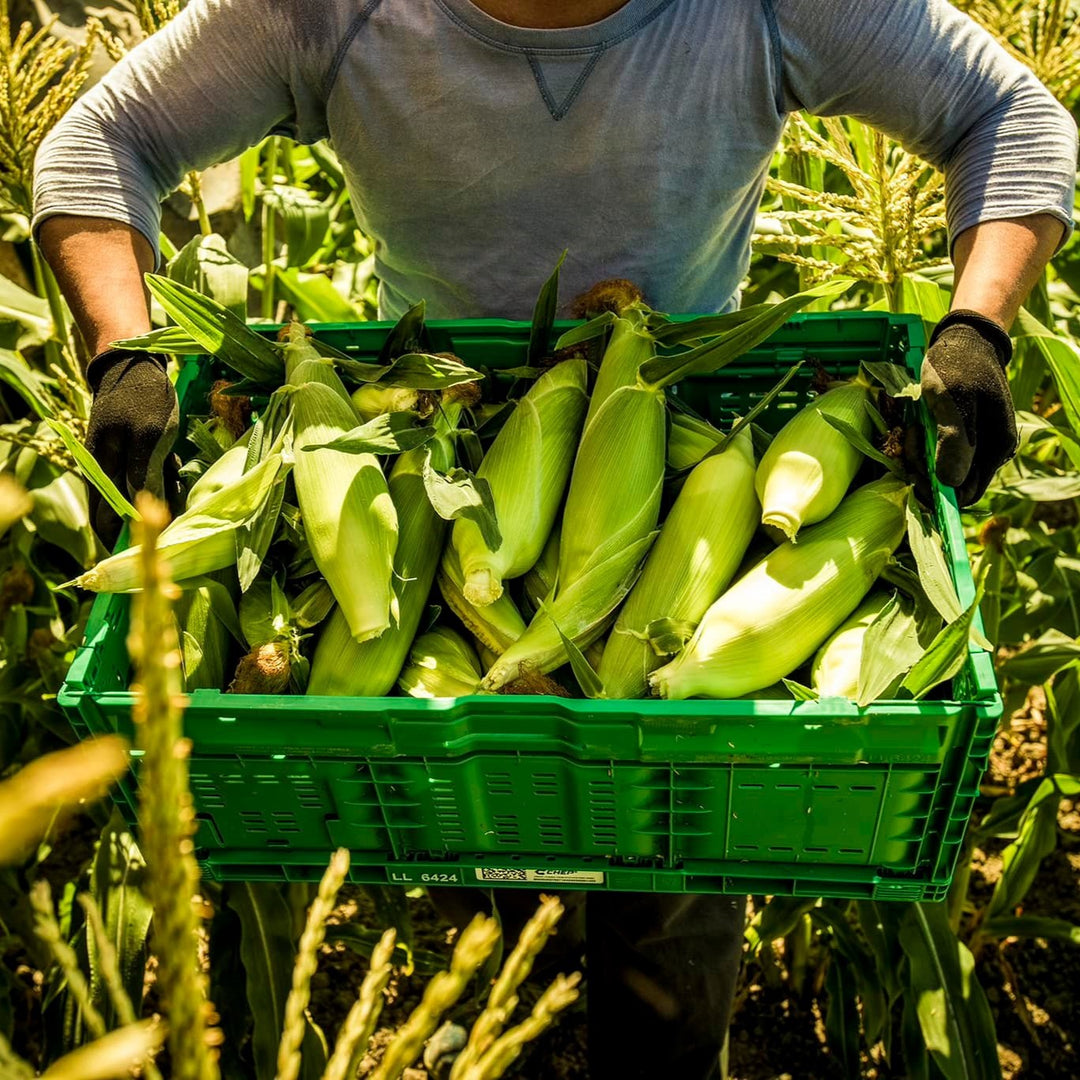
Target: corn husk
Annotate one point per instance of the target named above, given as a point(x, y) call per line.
point(699, 548)
point(539, 583)
point(204, 639)
point(341, 666)
point(809, 466)
point(778, 614)
point(372, 400)
point(689, 440)
point(527, 467)
point(835, 671)
point(348, 515)
point(496, 626)
point(199, 541)
point(441, 664)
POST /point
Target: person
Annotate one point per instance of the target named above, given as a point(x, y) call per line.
point(478, 139)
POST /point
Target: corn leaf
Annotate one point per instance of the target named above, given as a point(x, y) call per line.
point(93, 473)
point(664, 370)
point(543, 317)
point(459, 494)
point(29, 384)
point(206, 265)
point(832, 917)
point(776, 919)
point(306, 220)
point(254, 537)
point(955, 1018)
point(1061, 356)
point(842, 1016)
point(219, 331)
point(1033, 926)
point(266, 950)
point(116, 880)
point(1043, 658)
point(388, 433)
point(314, 297)
point(425, 371)
point(1020, 861)
point(759, 407)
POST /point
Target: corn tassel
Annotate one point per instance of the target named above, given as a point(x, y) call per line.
point(441, 664)
point(835, 671)
point(348, 515)
point(699, 548)
point(527, 467)
point(775, 616)
point(809, 466)
point(341, 666)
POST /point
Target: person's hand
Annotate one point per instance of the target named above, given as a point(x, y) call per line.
point(966, 390)
point(133, 424)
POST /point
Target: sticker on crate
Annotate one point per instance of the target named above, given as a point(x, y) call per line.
point(550, 877)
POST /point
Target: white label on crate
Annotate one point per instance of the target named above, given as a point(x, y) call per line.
point(549, 877)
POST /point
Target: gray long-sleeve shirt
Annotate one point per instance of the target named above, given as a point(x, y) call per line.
point(475, 151)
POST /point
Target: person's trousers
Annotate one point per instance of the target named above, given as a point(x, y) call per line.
point(660, 968)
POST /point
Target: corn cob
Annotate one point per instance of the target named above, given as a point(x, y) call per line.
point(372, 400)
point(266, 669)
point(441, 664)
point(775, 616)
point(199, 541)
point(611, 509)
point(527, 467)
point(341, 666)
point(835, 671)
point(809, 466)
point(699, 548)
point(348, 516)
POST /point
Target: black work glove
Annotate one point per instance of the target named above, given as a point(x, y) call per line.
point(133, 424)
point(966, 390)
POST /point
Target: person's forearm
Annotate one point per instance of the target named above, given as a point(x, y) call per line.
point(998, 262)
point(99, 265)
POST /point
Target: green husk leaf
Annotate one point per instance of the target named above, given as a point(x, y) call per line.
point(588, 680)
point(862, 444)
point(759, 407)
point(800, 692)
point(678, 332)
point(945, 656)
point(407, 335)
point(664, 370)
point(388, 433)
point(200, 435)
point(587, 331)
point(459, 494)
point(927, 547)
point(895, 379)
point(543, 318)
point(890, 649)
point(667, 636)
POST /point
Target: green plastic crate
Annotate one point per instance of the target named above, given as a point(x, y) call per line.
point(767, 796)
